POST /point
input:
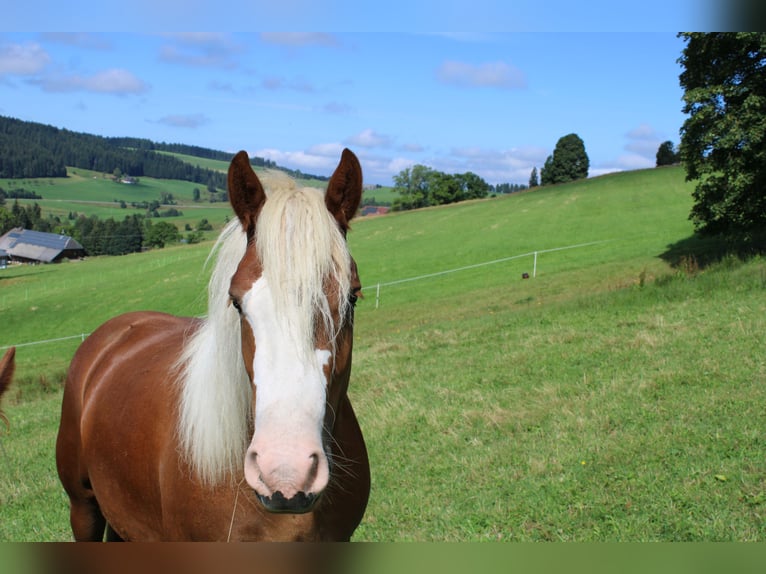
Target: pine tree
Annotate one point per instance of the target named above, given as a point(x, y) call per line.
point(533, 182)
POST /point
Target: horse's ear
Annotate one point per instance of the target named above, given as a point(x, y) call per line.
point(344, 192)
point(246, 193)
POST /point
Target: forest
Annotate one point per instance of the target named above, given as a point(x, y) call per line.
point(29, 150)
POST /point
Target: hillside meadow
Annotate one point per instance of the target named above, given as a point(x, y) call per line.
point(95, 193)
point(616, 396)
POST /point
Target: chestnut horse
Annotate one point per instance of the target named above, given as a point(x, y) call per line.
point(7, 366)
point(238, 426)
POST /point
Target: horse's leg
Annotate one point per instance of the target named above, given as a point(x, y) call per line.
point(86, 519)
point(85, 516)
point(111, 535)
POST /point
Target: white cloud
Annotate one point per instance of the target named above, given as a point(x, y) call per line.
point(398, 164)
point(495, 166)
point(201, 49)
point(641, 145)
point(491, 74)
point(337, 108)
point(113, 81)
point(22, 59)
point(332, 150)
point(643, 132)
point(644, 141)
point(369, 138)
point(305, 161)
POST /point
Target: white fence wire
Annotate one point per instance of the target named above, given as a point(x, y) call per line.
point(386, 284)
point(483, 264)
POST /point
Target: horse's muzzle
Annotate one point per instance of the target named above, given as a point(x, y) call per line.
point(298, 504)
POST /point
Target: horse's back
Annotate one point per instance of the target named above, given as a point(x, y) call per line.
point(119, 355)
point(119, 401)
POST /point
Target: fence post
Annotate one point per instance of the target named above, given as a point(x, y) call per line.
point(377, 296)
point(534, 267)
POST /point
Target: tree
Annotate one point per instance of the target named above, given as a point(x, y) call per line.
point(569, 162)
point(474, 186)
point(444, 188)
point(160, 234)
point(666, 154)
point(533, 182)
point(723, 141)
point(412, 186)
point(421, 186)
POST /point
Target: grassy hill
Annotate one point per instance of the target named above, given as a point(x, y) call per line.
point(611, 397)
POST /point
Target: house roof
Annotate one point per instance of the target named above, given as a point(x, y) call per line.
point(37, 245)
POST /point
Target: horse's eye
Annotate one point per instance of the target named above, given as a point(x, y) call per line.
point(354, 297)
point(235, 303)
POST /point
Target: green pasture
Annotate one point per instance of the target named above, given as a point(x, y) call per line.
point(202, 162)
point(617, 396)
point(89, 186)
point(92, 193)
point(95, 193)
point(381, 195)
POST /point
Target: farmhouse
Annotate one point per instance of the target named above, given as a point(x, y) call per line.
point(37, 247)
point(374, 210)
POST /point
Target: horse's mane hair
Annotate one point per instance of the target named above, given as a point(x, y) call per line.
point(302, 250)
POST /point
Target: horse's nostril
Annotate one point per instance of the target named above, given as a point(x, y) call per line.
point(298, 504)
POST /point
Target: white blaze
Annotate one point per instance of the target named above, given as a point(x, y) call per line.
point(286, 450)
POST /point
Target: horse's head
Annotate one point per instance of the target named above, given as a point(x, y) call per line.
point(294, 291)
point(7, 367)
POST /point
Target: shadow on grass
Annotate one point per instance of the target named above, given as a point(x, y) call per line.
point(698, 251)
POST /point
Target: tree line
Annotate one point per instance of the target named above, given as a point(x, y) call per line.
point(30, 149)
point(421, 186)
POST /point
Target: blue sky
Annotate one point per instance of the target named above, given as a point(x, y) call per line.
point(491, 102)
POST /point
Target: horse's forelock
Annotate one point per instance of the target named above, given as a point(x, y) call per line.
point(303, 252)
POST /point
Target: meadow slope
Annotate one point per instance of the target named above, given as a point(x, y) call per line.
point(611, 397)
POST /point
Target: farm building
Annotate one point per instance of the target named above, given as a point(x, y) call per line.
point(374, 210)
point(37, 247)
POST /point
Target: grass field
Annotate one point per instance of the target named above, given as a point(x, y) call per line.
point(95, 193)
point(614, 397)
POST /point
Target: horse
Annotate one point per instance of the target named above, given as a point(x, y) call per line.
point(238, 425)
point(7, 367)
